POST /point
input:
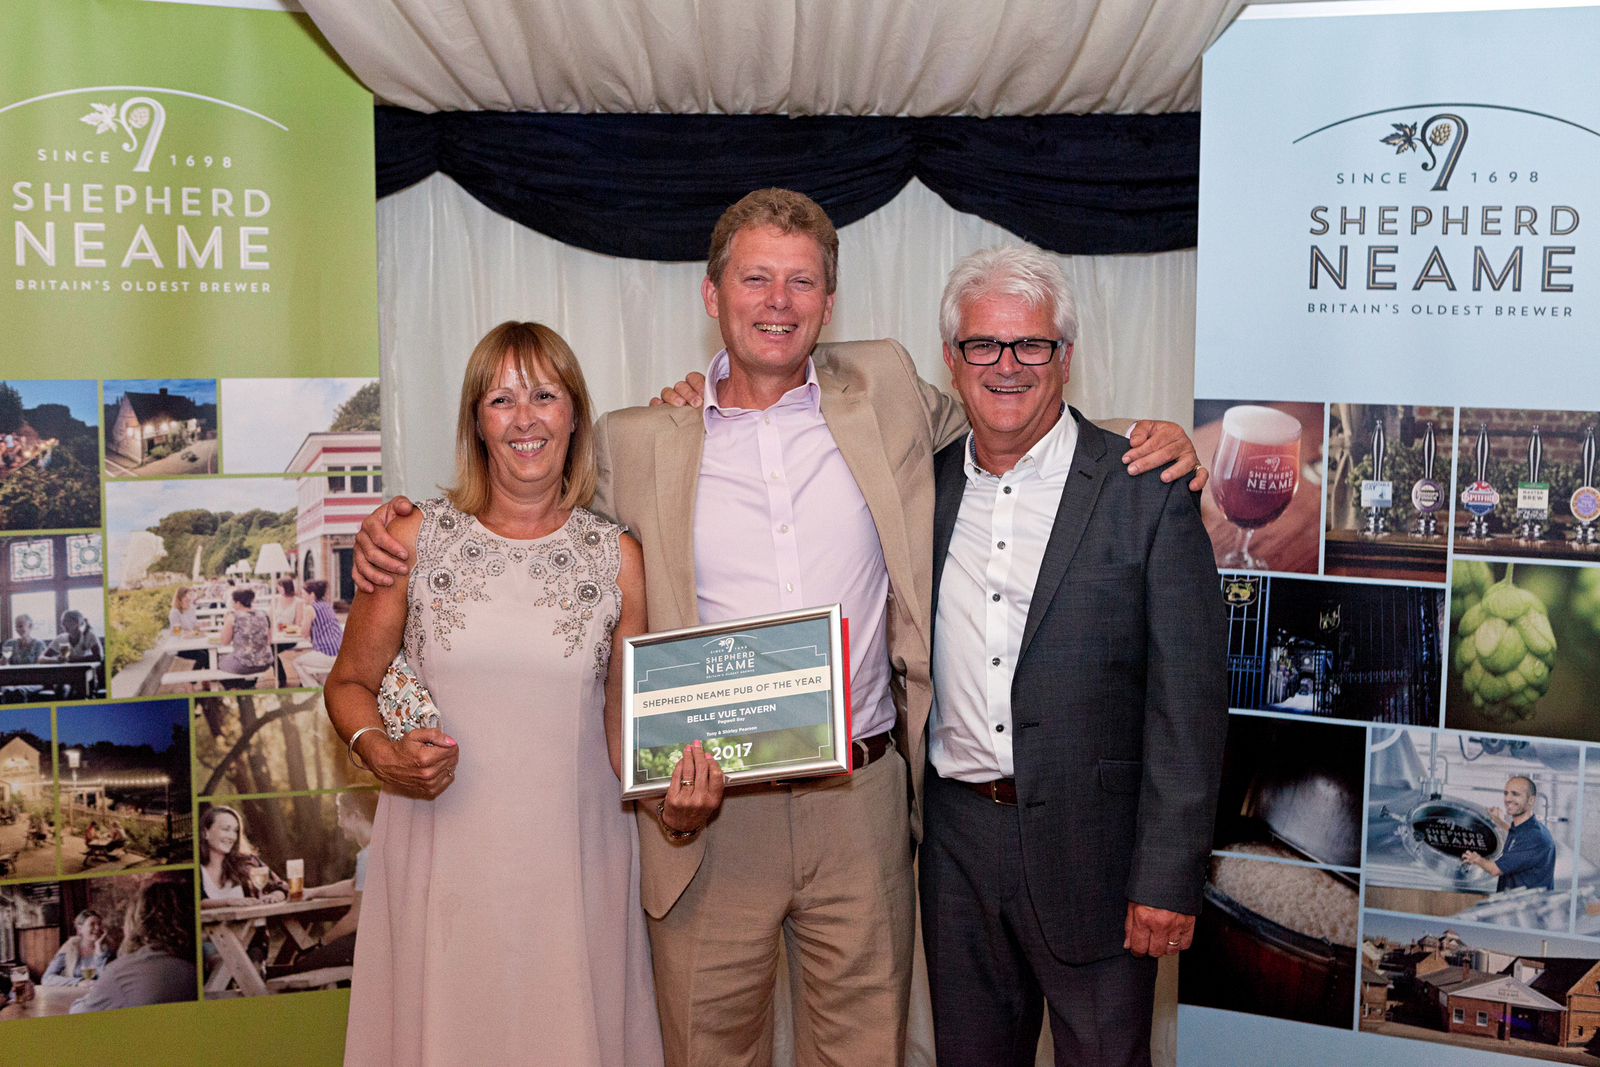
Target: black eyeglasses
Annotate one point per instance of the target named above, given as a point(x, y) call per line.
point(986, 351)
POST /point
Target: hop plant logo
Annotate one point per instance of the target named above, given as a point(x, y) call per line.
point(135, 115)
point(1436, 131)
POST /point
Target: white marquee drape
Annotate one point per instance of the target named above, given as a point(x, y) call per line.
point(449, 269)
point(843, 57)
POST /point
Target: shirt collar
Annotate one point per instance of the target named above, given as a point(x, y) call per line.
point(808, 396)
point(1050, 456)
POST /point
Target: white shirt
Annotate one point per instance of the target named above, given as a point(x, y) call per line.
point(999, 541)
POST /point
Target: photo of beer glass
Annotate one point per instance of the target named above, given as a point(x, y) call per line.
point(1256, 472)
point(296, 872)
point(259, 875)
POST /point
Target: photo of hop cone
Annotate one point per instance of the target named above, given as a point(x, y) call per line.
point(1505, 652)
point(1472, 579)
point(1586, 598)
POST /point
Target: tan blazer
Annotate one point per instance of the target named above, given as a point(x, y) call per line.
point(888, 423)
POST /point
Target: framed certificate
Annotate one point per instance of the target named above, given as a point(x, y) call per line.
point(769, 697)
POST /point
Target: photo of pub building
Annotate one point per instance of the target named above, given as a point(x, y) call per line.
point(1473, 988)
point(161, 427)
point(1334, 649)
point(331, 506)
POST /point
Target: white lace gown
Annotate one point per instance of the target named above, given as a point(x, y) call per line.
point(501, 922)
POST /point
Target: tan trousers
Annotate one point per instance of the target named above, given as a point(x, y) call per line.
point(828, 868)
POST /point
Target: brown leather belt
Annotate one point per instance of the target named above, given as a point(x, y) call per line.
point(1001, 790)
point(869, 750)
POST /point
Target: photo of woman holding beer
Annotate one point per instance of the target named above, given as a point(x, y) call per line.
point(1263, 505)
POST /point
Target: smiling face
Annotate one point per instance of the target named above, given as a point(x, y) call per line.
point(1012, 401)
point(91, 928)
point(1518, 798)
point(525, 427)
point(771, 301)
point(222, 834)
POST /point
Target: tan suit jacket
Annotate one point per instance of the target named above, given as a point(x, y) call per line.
point(888, 423)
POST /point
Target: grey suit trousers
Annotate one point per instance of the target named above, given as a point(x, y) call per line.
point(989, 968)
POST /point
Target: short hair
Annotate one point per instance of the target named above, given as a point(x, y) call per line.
point(179, 594)
point(162, 916)
point(24, 617)
point(530, 345)
point(790, 212)
point(1533, 787)
point(84, 916)
point(1009, 270)
point(246, 597)
point(317, 588)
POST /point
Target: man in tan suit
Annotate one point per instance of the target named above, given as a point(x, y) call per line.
point(807, 479)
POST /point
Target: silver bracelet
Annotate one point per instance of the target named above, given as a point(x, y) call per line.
point(351, 747)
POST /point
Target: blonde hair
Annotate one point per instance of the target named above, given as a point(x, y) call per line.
point(790, 212)
point(531, 347)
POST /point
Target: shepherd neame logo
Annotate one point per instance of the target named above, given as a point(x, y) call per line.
point(109, 212)
point(729, 657)
point(1441, 246)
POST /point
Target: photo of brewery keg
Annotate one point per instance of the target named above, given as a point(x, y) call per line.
point(1263, 504)
point(1275, 936)
point(1473, 826)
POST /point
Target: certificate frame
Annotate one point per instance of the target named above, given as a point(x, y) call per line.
point(716, 683)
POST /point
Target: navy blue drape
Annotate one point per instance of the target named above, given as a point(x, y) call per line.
point(652, 186)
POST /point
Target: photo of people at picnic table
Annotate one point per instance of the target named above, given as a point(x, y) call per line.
point(281, 882)
point(93, 944)
point(52, 616)
point(213, 589)
point(123, 779)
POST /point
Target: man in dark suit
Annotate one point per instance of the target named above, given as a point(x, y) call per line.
point(1080, 699)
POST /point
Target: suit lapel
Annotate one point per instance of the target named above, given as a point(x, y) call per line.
point(950, 483)
point(854, 426)
point(678, 452)
point(1088, 474)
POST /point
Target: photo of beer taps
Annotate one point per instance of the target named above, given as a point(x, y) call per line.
point(1263, 504)
point(1524, 649)
point(1341, 650)
point(1388, 491)
point(1526, 484)
point(1478, 827)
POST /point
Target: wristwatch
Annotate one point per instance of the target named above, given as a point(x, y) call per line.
point(674, 835)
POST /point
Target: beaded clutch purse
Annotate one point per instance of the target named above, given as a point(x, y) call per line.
point(404, 702)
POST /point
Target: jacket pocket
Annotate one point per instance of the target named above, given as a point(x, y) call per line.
point(1112, 572)
point(1121, 775)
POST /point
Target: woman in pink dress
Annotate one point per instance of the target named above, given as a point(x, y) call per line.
point(501, 920)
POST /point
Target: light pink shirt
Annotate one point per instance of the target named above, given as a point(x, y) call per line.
point(780, 525)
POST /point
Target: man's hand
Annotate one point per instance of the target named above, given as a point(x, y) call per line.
point(1155, 443)
point(1499, 818)
point(378, 556)
point(1478, 861)
point(1156, 932)
point(695, 793)
point(691, 392)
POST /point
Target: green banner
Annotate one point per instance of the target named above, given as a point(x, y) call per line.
point(188, 441)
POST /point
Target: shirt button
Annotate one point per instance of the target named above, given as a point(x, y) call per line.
point(788, 587)
point(784, 528)
point(1007, 489)
point(1002, 544)
point(995, 661)
point(775, 476)
point(995, 597)
point(1000, 728)
point(767, 419)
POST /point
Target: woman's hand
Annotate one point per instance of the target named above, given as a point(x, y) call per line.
point(695, 793)
point(422, 764)
point(274, 896)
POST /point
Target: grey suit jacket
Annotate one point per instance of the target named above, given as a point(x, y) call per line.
point(1119, 702)
point(887, 423)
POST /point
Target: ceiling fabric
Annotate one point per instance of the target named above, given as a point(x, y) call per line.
point(840, 57)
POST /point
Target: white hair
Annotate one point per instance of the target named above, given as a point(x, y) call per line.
point(1009, 270)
